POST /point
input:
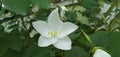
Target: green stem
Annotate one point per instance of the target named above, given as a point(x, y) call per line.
point(27, 39)
point(87, 38)
point(23, 24)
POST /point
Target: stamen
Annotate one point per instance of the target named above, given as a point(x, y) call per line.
point(49, 33)
point(53, 34)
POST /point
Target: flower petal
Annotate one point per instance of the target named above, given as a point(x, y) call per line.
point(68, 28)
point(63, 44)
point(101, 53)
point(42, 27)
point(54, 20)
point(44, 42)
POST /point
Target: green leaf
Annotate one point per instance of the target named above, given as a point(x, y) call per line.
point(115, 23)
point(11, 53)
point(1, 28)
point(17, 6)
point(71, 16)
point(2, 12)
point(101, 38)
point(15, 43)
point(14, 40)
point(114, 46)
point(110, 0)
point(42, 16)
point(74, 35)
point(76, 52)
point(42, 3)
point(89, 4)
point(3, 47)
point(82, 19)
point(79, 8)
point(35, 51)
point(14, 26)
point(101, 2)
point(108, 40)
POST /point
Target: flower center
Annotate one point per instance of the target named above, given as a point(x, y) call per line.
point(53, 34)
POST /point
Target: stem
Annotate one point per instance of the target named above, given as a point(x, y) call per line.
point(23, 24)
point(27, 39)
point(87, 38)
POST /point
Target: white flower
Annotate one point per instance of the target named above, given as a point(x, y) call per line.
point(54, 32)
point(101, 53)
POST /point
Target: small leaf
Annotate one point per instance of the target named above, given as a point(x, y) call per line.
point(82, 19)
point(79, 8)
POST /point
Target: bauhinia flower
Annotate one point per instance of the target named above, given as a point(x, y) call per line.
point(54, 31)
point(101, 53)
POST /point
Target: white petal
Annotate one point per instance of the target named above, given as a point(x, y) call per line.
point(44, 42)
point(42, 27)
point(101, 53)
point(68, 28)
point(63, 44)
point(54, 20)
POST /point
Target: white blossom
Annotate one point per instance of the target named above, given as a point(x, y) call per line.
point(54, 31)
point(101, 53)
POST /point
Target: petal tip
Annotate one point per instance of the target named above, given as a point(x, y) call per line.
point(69, 48)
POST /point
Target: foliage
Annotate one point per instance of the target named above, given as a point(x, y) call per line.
point(18, 38)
